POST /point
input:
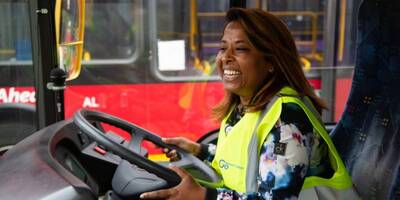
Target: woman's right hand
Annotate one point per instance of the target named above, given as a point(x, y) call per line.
point(183, 143)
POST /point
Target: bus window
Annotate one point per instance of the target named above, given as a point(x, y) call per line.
point(15, 45)
point(17, 96)
point(113, 31)
point(15, 39)
point(189, 29)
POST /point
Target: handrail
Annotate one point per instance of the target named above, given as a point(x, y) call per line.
point(7, 51)
point(313, 32)
point(342, 27)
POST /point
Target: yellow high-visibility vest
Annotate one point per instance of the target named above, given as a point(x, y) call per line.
point(237, 154)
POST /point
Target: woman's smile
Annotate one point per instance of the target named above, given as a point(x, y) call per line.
point(231, 75)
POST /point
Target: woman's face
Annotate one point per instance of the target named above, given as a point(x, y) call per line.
point(241, 66)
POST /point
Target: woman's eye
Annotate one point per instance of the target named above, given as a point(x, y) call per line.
point(222, 49)
point(242, 49)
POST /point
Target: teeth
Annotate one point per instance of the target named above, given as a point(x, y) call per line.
point(231, 72)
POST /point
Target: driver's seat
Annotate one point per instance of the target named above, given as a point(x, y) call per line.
point(368, 134)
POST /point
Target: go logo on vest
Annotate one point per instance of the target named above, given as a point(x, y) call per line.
point(225, 165)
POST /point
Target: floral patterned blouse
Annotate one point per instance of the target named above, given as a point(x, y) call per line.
point(282, 170)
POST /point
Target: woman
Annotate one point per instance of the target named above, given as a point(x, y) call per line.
point(271, 144)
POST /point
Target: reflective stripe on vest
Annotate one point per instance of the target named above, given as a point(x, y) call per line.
point(237, 155)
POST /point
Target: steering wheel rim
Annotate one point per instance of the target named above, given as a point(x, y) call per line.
point(82, 117)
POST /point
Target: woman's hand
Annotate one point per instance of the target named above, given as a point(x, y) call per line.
point(186, 189)
point(183, 143)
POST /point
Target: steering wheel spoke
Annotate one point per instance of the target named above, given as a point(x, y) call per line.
point(135, 144)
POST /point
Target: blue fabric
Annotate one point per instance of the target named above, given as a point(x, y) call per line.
point(367, 136)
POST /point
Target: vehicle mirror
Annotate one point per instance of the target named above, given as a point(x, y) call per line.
point(70, 25)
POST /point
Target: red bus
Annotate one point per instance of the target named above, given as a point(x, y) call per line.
point(152, 62)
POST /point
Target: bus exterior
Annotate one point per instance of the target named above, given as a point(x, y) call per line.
point(152, 62)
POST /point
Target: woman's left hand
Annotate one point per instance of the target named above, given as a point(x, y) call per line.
point(188, 187)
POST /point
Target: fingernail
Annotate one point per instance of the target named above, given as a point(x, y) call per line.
point(142, 196)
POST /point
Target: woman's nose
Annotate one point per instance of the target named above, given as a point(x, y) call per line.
point(227, 56)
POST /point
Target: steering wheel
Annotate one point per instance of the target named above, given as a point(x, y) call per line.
point(84, 119)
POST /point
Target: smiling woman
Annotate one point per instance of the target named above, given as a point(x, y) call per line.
point(271, 144)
